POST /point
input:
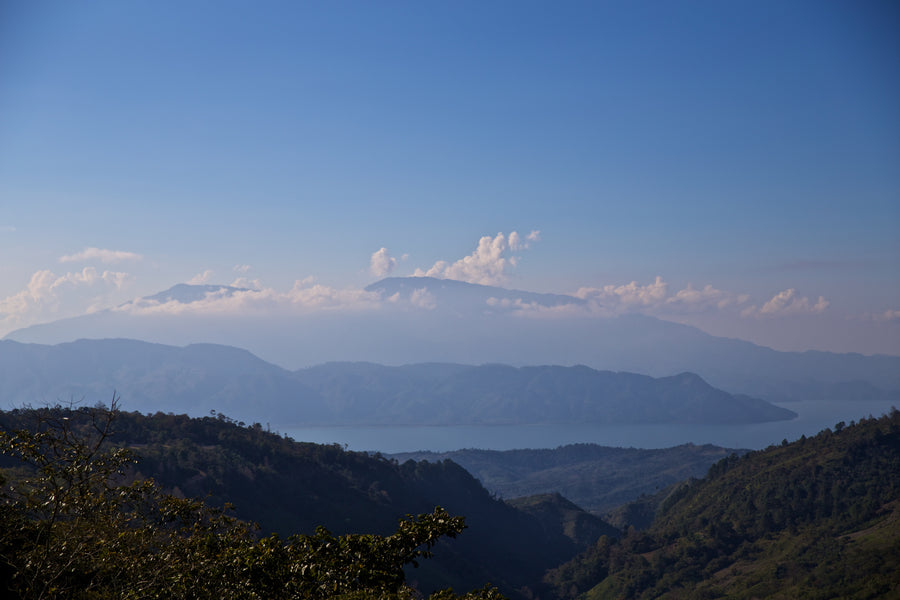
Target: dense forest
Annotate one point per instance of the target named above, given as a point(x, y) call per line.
point(72, 525)
point(289, 487)
point(596, 478)
point(817, 518)
point(100, 503)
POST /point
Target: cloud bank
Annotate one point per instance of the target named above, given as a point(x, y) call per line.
point(306, 296)
point(655, 299)
point(787, 303)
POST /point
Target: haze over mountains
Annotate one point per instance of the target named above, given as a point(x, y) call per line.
point(421, 319)
point(201, 378)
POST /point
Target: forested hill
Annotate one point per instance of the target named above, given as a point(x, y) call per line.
point(290, 487)
point(596, 478)
point(817, 518)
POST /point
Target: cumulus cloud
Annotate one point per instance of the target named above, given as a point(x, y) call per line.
point(488, 264)
point(101, 254)
point(201, 278)
point(247, 283)
point(243, 269)
point(382, 263)
point(49, 295)
point(787, 303)
point(516, 242)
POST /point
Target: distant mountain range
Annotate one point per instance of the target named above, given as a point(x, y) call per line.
point(421, 319)
point(203, 377)
point(499, 394)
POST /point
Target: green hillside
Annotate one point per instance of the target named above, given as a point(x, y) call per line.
point(817, 518)
point(289, 487)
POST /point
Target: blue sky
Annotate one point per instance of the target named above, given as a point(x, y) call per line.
point(752, 147)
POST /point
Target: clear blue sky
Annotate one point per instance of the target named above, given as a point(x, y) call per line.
point(749, 146)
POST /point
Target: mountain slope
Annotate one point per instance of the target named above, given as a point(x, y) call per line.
point(818, 518)
point(290, 487)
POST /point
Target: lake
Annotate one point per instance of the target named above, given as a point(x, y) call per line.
point(814, 417)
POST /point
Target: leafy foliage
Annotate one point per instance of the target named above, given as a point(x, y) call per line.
point(73, 526)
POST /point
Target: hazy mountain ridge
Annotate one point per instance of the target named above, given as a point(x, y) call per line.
point(153, 377)
point(497, 394)
point(203, 377)
point(459, 325)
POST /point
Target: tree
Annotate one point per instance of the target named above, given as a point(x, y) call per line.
point(72, 525)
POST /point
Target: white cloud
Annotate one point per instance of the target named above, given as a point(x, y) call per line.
point(517, 243)
point(49, 295)
point(655, 299)
point(889, 315)
point(631, 295)
point(201, 278)
point(521, 308)
point(304, 297)
point(709, 298)
point(242, 269)
point(7, 229)
point(246, 283)
point(382, 263)
point(103, 255)
point(422, 298)
point(487, 265)
point(787, 303)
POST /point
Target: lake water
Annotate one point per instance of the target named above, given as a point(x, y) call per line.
point(814, 417)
